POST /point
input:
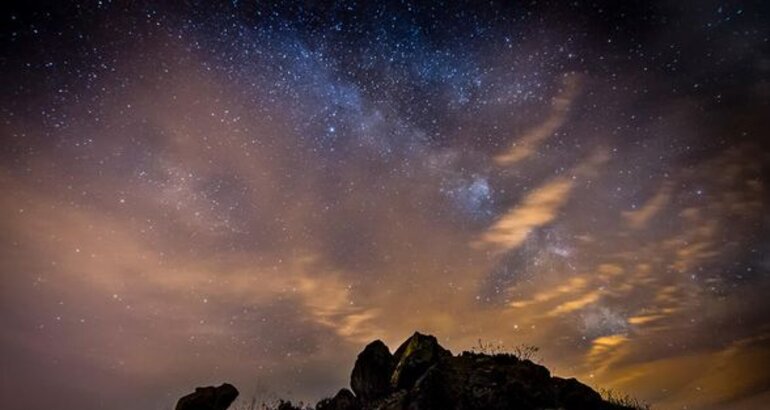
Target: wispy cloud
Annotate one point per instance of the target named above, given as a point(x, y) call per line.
point(536, 209)
point(638, 219)
point(328, 301)
point(527, 144)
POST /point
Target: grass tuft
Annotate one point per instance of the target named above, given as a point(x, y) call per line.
point(623, 399)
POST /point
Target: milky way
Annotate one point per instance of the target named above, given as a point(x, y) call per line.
point(250, 193)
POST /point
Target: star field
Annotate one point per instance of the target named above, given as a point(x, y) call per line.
point(250, 192)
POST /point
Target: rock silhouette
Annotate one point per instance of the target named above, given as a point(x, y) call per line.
point(372, 372)
point(414, 357)
point(209, 398)
point(422, 375)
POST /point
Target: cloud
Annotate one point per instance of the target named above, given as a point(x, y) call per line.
point(528, 143)
point(607, 349)
point(575, 304)
point(709, 379)
point(639, 218)
point(572, 285)
point(536, 209)
point(328, 301)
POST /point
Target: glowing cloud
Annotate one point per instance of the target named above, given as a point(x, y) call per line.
point(639, 218)
point(538, 208)
point(527, 144)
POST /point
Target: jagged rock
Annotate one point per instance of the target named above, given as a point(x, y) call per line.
point(370, 379)
point(209, 398)
point(343, 400)
point(414, 357)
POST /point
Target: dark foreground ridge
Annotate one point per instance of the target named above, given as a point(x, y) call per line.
point(422, 375)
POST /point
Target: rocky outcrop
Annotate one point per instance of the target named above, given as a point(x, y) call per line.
point(209, 398)
point(371, 375)
point(414, 357)
point(422, 375)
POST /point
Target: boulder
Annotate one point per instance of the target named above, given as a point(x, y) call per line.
point(209, 398)
point(370, 379)
point(414, 357)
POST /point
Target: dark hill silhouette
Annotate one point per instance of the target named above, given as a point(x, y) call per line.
point(422, 375)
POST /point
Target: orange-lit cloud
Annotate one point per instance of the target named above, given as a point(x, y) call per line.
point(526, 145)
point(638, 219)
point(537, 208)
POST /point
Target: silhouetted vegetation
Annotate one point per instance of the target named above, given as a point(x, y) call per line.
point(255, 404)
point(623, 399)
point(521, 351)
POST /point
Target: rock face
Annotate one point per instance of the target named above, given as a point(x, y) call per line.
point(209, 398)
point(370, 379)
point(422, 375)
point(414, 357)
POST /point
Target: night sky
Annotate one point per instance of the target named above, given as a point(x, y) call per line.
point(194, 193)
